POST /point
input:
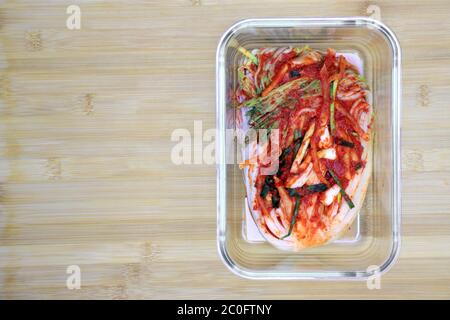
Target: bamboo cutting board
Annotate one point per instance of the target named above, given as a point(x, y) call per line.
point(86, 179)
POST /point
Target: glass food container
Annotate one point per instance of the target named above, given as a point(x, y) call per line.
point(372, 245)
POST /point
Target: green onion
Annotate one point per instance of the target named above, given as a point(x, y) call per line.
point(363, 82)
point(297, 134)
point(261, 122)
point(298, 140)
point(285, 153)
point(249, 55)
point(294, 218)
point(319, 187)
point(265, 81)
point(311, 88)
point(277, 97)
point(301, 50)
point(250, 103)
point(274, 125)
point(361, 78)
point(297, 147)
point(343, 193)
point(333, 89)
point(333, 96)
point(256, 108)
point(275, 200)
point(292, 192)
point(265, 190)
point(332, 123)
point(241, 74)
point(269, 180)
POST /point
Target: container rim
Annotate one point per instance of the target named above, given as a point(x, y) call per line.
point(396, 145)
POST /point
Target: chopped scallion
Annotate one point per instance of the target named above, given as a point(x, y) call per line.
point(343, 193)
point(294, 218)
point(249, 55)
point(265, 190)
point(319, 187)
point(333, 97)
point(292, 192)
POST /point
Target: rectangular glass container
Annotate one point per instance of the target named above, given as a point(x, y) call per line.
point(377, 245)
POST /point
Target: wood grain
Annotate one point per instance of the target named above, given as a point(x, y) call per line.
point(85, 173)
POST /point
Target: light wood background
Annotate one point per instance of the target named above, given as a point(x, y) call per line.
point(85, 173)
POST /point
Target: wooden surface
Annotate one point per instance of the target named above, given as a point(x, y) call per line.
point(85, 174)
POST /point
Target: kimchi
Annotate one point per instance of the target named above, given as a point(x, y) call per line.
point(313, 119)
